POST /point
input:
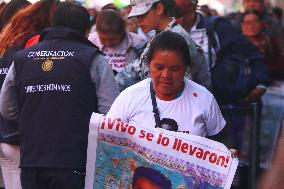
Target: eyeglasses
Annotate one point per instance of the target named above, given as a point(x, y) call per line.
point(251, 22)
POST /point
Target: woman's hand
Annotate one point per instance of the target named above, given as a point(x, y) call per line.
point(254, 95)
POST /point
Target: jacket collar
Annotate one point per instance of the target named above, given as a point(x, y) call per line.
point(172, 24)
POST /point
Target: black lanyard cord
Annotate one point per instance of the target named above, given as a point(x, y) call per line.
point(155, 107)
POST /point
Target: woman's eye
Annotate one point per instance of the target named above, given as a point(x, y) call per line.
point(175, 69)
point(159, 67)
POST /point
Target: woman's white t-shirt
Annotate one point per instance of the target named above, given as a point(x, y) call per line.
point(195, 111)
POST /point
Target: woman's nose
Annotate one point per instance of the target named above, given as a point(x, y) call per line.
point(139, 19)
point(166, 73)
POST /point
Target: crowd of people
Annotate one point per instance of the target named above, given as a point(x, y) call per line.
point(154, 62)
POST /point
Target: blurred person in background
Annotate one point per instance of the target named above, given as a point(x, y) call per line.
point(131, 23)
point(157, 15)
point(119, 46)
point(214, 12)
point(270, 26)
point(94, 13)
point(93, 16)
point(205, 10)
point(277, 14)
point(19, 33)
point(230, 40)
point(10, 9)
point(111, 6)
point(252, 28)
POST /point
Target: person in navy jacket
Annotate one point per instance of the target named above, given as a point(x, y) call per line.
point(51, 89)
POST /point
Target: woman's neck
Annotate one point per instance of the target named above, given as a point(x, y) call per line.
point(188, 20)
point(163, 23)
point(169, 97)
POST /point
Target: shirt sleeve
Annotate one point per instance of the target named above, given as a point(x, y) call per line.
point(106, 87)
point(8, 100)
point(215, 121)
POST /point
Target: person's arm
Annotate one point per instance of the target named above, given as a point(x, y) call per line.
point(106, 87)
point(8, 100)
point(214, 121)
point(215, 126)
point(273, 178)
point(254, 95)
point(133, 73)
point(219, 137)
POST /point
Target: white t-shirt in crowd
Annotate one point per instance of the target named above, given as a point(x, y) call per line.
point(195, 111)
point(116, 56)
point(122, 54)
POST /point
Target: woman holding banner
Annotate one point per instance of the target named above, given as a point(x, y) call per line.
point(167, 99)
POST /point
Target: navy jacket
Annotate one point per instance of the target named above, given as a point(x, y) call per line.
point(56, 98)
point(231, 38)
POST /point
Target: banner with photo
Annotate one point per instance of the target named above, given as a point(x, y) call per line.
point(123, 156)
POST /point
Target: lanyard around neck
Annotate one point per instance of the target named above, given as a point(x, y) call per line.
point(155, 107)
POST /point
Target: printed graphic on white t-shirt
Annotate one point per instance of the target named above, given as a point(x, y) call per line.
point(115, 58)
point(169, 124)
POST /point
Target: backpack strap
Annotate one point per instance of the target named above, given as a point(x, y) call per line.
point(210, 25)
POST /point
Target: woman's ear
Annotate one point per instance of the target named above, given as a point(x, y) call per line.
point(160, 9)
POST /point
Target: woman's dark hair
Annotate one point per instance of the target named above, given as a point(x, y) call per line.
point(169, 7)
point(278, 12)
point(153, 175)
point(110, 21)
point(10, 9)
point(72, 15)
point(31, 19)
point(111, 6)
point(251, 11)
point(184, 6)
point(172, 41)
point(205, 10)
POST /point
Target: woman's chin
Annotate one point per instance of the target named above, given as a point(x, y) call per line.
point(166, 94)
point(145, 30)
